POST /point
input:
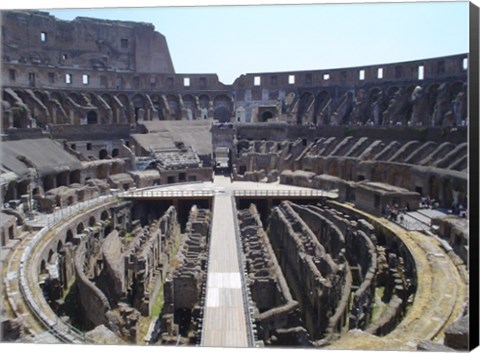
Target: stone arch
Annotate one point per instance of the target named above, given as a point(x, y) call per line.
point(115, 152)
point(266, 115)
point(392, 90)
point(80, 228)
point(455, 88)
point(75, 97)
point(103, 154)
point(222, 108)
point(59, 246)
point(138, 105)
point(173, 102)
point(92, 221)
point(107, 97)
point(42, 96)
point(104, 215)
point(69, 236)
point(189, 102)
point(204, 101)
point(58, 97)
point(158, 106)
point(124, 100)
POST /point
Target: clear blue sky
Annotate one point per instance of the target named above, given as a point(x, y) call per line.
point(233, 40)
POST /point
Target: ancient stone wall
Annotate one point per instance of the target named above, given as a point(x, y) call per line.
point(184, 286)
point(93, 301)
point(34, 37)
point(147, 88)
point(323, 289)
point(437, 169)
point(277, 316)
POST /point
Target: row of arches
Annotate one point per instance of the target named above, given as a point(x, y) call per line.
point(416, 104)
point(64, 107)
point(69, 237)
point(439, 186)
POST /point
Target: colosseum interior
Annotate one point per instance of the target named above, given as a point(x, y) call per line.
point(323, 208)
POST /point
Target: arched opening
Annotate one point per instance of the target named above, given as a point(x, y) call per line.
point(266, 116)
point(92, 117)
point(190, 106)
point(91, 221)
point(59, 246)
point(75, 97)
point(103, 154)
point(80, 228)
point(104, 216)
point(174, 106)
point(138, 103)
point(115, 152)
point(69, 238)
point(222, 108)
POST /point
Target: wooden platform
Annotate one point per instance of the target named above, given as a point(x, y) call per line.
point(224, 322)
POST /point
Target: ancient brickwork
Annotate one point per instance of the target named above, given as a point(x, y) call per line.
point(429, 168)
point(277, 316)
point(184, 286)
point(323, 289)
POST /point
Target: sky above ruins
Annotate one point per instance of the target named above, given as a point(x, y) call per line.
point(234, 40)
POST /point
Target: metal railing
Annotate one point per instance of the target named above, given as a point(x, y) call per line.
point(279, 193)
point(167, 193)
point(242, 264)
point(203, 299)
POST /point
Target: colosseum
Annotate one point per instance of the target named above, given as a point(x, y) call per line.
point(324, 208)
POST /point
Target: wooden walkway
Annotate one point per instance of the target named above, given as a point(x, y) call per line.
point(224, 321)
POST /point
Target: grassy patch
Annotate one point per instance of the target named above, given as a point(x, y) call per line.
point(158, 301)
point(378, 305)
